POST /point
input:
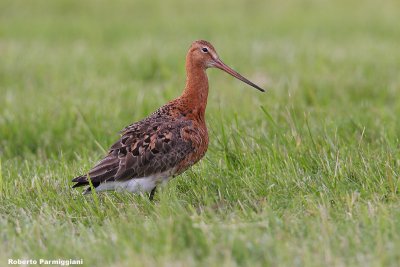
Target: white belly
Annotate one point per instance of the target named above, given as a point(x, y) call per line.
point(136, 185)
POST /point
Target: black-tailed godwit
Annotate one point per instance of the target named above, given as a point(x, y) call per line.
point(167, 142)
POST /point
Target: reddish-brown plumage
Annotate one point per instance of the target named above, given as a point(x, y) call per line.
point(167, 142)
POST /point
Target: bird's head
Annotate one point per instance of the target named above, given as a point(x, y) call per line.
point(203, 54)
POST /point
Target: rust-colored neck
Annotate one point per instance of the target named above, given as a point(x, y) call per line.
point(196, 89)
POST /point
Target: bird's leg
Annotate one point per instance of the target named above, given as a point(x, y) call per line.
point(152, 193)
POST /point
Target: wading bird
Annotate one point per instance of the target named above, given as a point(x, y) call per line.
point(166, 143)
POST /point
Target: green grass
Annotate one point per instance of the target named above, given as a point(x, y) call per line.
point(307, 174)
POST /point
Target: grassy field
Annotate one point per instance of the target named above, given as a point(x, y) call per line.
point(304, 175)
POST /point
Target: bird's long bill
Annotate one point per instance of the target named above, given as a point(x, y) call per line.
point(222, 66)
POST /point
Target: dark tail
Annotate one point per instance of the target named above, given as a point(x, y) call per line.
point(80, 181)
point(83, 181)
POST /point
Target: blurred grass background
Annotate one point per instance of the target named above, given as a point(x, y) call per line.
point(306, 174)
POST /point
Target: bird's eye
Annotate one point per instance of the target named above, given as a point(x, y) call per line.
point(204, 49)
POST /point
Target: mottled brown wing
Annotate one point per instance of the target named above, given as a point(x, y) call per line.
point(145, 148)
